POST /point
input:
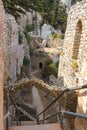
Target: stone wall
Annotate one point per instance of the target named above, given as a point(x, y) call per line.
point(38, 58)
point(13, 53)
point(73, 61)
point(1, 65)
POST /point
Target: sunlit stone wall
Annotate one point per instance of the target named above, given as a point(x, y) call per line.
point(73, 60)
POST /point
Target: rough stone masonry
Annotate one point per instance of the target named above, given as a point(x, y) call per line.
point(73, 61)
point(1, 62)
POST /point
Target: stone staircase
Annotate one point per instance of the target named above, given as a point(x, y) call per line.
point(31, 117)
point(38, 127)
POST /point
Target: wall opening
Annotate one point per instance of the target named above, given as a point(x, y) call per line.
point(77, 40)
point(40, 65)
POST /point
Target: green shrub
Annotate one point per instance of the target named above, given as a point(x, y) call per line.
point(20, 37)
point(27, 36)
point(26, 61)
point(57, 64)
point(30, 28)
point(48, 62)
point(54, 35)
point(51, 69)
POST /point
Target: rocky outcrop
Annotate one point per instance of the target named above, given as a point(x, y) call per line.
point(67, 3)
point(46, 31)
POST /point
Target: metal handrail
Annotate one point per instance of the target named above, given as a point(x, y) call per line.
point(51, 103)
point(67, 113)
point(9, 114)
point(50, 116)
point(76, 114)
point(64, 91)
point(63, 112)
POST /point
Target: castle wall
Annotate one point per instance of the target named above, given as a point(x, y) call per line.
point(73, 61)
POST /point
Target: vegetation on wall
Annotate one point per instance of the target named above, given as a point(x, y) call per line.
point(75, 1)
point(50, 68)
point(28, 29)
point(26, 61)
point(54, 35)
point(74, 64)
point(20, 37)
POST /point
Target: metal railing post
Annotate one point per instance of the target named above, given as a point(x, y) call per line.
point(7, 109)
point(43, 117)
point(37, 119)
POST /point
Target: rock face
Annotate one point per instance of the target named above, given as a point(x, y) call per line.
point(73, 61)
point(13, 51)
point(47, 31)
point(1, 65)
point(68, 4)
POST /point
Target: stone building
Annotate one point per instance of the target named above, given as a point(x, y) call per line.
point(41, 55)
point(73, 62)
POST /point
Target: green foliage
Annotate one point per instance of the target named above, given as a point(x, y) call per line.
point(55, 36)
point(52, 12)
point(74, 64)
point(48, 62)
point(62, 18)
point(57, 64)
point(26, 61)
point(20, 37)
point(51, 69)
point(30, 28)
point(27, 36)
point(75, 1)
point(12, 8)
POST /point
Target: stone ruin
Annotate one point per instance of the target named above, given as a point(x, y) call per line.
point(73, 61)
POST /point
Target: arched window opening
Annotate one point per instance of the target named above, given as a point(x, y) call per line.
point(40, 65)
point(77, 40)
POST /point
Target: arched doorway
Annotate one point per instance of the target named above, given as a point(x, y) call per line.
point(77, 40)
point(40, 65)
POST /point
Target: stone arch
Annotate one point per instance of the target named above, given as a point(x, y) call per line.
point(1, 70)
point(77, 40)
point(26, 83)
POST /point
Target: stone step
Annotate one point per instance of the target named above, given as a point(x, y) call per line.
point(38, 127)
point(25, 113)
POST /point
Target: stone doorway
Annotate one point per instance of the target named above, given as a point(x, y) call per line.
point(40, 65)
